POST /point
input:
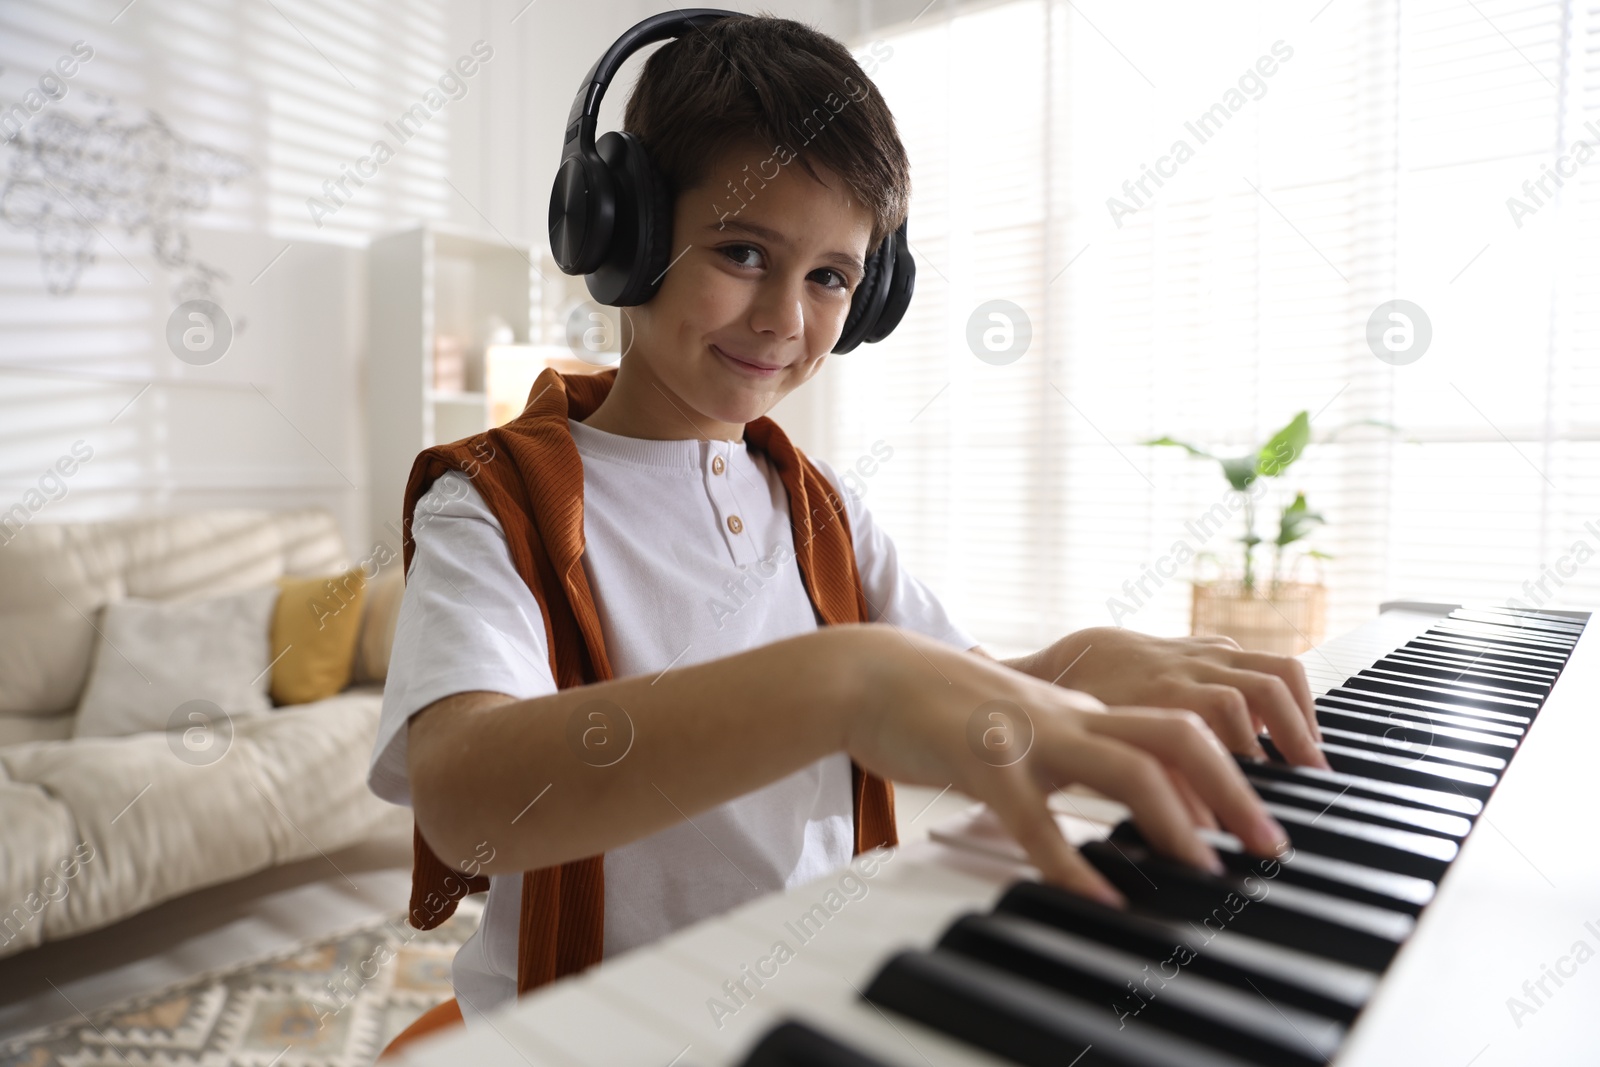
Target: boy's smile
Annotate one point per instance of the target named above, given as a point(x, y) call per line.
point(765, 262)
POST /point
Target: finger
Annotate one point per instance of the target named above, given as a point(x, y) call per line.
point(1179, 739)
point(1293, 673)
point(1024, 811)
point(1198, 811)
point(1114, 758)
point(1227, 711)
point(1214, 639)
point(1269, 698)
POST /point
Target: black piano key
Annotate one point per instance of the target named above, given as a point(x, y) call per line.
point(1127, 986)
point(1266, 908)
point(1443, 800)
point(794, 1044)
point(1404, 770)
point(1024, 1022)
point(1397, 711)
point(1380, 887)
point(1378, 812)
point(1402, 851)
point(1401, 667)
point(1461, 700)
point(1417, 733)
point(1286, 976)
point(1505, 642)
point(1544, 677)
point(1430, 748)
point(1489, 654)
point(1458, 683)
point(1471, 717)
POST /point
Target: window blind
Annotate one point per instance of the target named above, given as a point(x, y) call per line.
point(1338, 158)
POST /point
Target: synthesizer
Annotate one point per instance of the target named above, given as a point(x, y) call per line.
point(1440, 904)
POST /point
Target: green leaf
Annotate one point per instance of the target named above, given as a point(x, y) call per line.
point(1240, 472)
point(1296, 522)
point(1284, 447)
point(1193, 451)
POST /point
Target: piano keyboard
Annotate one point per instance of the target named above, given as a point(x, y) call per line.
point(1441, 878)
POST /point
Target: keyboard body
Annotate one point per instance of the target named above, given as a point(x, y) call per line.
point(1501, 966)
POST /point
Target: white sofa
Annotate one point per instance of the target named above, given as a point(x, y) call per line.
point(95, 829)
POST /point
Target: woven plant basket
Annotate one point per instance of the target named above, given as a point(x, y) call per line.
point(1287, 617)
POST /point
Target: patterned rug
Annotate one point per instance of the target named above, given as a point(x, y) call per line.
point(335, 1002)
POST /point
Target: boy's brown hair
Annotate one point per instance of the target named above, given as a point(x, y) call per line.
point(776, 82)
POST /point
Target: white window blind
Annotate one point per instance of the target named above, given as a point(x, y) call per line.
point(1373, 162)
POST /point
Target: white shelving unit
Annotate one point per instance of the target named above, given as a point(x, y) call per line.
point(425, 283)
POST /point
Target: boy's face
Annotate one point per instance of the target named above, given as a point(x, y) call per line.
point(756, 294)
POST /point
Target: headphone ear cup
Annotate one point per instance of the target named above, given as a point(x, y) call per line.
point(639, 254)
point(582, 214)
point(887, 281)
point(901, 283)
point(862, 303)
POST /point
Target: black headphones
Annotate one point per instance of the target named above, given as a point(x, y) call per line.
point(611, 210)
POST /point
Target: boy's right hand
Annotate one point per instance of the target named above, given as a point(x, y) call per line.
point(934, 715)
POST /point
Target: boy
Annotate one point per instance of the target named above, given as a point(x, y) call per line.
point(710, 754)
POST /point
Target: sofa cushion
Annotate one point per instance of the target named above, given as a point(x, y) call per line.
point(161, 662)
point(38, 834)
point(16, 729)
point(314, 630)
point(163, 819)
point(55, 577)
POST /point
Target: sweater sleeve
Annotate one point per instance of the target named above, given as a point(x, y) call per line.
point(894, 595)
point(467, 621)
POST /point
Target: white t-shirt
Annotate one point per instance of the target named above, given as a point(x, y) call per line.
point(690, 556)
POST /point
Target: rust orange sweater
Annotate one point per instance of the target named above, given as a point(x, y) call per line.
point(530, 475)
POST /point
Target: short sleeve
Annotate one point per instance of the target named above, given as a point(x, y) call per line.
point(467, 621)
point(894, 595)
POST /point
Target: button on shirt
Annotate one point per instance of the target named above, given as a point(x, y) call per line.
point(690, 556)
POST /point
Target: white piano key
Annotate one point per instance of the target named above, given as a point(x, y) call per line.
point(894, 1039)
point(581, 1023)
point(671, 997)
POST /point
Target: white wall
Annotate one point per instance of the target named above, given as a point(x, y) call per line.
point(279, 96)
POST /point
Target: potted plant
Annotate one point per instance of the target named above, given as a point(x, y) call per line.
point(1281, 615)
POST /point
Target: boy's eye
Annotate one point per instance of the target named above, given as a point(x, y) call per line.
point(734, 252)
point(737, 253)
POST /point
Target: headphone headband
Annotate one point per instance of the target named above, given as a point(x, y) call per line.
point(585, 113)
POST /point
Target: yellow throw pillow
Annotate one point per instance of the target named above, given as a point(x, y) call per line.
point(314, 631)
point(378, 618)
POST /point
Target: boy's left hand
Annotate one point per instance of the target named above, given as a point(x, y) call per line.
point(1238, 693)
